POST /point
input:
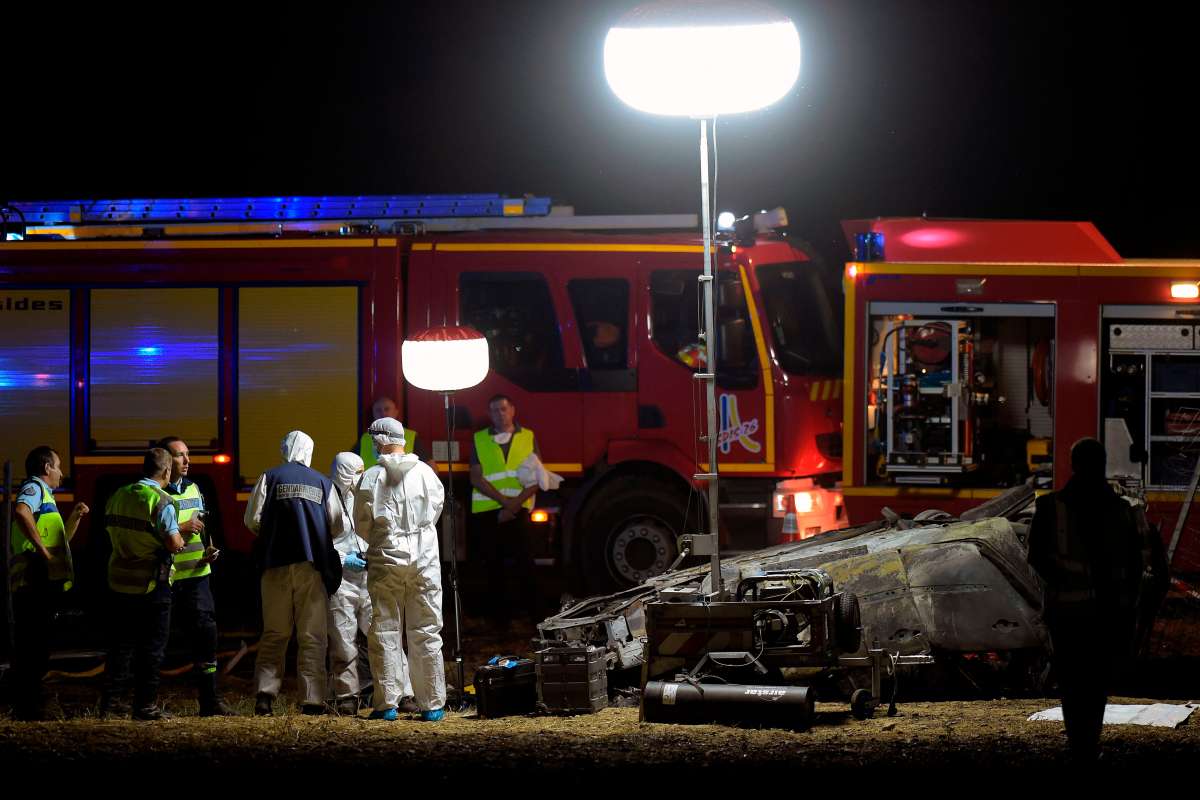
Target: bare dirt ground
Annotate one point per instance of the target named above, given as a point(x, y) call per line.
point(565, 750)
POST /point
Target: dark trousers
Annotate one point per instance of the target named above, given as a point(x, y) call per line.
point(498, 541)
point(139, 627)
point(33, 616)
point(1085, 661)
point(192, 604)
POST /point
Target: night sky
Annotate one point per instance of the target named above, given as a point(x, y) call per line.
point(962, 108)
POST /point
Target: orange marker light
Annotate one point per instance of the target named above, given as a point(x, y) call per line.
point(852, 271)
point(222, 459)
point(1185, 291)
point(539, 515)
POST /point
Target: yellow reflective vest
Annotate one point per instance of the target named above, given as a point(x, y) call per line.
point(53, 533)
point(187, 565)
point(138, 553)
point(500, 472)
point(366, 447)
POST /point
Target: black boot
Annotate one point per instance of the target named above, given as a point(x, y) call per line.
point(114, 707)
point(262, 705)
point(150, 712)
point(211, 703)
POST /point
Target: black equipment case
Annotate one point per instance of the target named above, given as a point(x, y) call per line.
point(572, 679)
point(506, 686)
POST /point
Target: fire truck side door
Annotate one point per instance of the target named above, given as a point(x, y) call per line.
point(507, 297)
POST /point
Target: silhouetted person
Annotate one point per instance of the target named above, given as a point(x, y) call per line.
point(1085, 546)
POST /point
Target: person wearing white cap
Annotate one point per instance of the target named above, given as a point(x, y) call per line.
point(396, 509)
point(350, 607)
point(296, 513)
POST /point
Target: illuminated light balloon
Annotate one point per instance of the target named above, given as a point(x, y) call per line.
point(702, 58)
point(445, 359)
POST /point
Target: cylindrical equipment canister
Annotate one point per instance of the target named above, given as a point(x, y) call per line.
point(762, 706)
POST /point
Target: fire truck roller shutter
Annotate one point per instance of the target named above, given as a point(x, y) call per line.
point(628, 529)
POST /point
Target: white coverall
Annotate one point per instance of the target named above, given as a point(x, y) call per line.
point(397, 505)
point(293, 596)
point(350, 606)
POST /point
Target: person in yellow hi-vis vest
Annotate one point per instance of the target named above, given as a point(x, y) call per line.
point(191, 594)
point(40, 569)
point(142, 522)
point(500, 507)
point(385, 406)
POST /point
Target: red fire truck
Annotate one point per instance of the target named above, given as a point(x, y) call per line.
point(977, 352)
point(229, 322)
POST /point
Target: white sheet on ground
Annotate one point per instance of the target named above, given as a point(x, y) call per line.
point(1159, 715)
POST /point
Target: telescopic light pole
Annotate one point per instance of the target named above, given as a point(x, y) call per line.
point(701, 59)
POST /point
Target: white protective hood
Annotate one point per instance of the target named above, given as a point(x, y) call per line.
point(386, 431)
point(347, 469)
point(297, 446)
point(397, 465)
point(346, 472)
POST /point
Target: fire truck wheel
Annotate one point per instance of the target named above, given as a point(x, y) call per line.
point(847, 622)
point(630, 529)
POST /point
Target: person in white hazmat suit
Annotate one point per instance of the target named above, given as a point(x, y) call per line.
point(350, 607)
point(396, 509)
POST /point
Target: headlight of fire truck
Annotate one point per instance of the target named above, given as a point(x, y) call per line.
point(806, 509)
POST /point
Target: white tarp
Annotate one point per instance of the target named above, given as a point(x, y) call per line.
point(1159, 715)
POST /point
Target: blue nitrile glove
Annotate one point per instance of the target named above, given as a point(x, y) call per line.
point(355, 562)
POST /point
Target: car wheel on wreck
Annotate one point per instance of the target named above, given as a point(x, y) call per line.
point(847, 622)
point(628, 532)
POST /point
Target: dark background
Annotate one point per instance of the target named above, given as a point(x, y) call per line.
point(961, 108)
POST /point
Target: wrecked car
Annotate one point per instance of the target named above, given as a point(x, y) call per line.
point(955, 589)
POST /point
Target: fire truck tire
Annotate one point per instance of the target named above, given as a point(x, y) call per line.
point(629, 531)
point(847, 622)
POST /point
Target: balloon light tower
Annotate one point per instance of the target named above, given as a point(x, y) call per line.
point(447, 359)
point(702, 59)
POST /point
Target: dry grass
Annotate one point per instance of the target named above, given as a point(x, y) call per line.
point(926, 735)
point(977, 733)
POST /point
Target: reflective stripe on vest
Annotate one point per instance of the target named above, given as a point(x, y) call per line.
point(189, 501)
point(137, 548)
point(53, 534)
point(366, 447)
point(501, 473)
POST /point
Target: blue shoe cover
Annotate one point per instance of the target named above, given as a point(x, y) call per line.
point(390, 714)
point(435, 715)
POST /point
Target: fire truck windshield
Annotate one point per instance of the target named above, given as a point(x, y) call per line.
point(801, 319)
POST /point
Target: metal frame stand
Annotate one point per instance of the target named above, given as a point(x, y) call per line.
point(708, 544)
point(458, 651)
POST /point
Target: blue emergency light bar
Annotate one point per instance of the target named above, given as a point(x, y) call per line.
point(869, 246)
point(245, 209)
